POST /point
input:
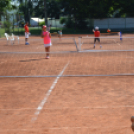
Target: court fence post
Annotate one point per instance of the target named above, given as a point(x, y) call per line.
point(80, 38)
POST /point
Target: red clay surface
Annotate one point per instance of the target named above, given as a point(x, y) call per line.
point(76, 105)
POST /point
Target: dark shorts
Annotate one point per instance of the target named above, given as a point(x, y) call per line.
point(96, 40)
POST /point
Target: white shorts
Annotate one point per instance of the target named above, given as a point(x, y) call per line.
point(48, 45)
point(27, 35)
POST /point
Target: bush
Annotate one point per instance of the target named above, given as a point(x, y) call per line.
point(62, 20)
point(81, 24)
point(7, 26)
point(41, 23)
point(21, 23)
point(69, 23)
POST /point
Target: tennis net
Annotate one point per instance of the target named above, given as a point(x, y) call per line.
point(114, 58)
point(107, 43)
point(37, 45)
point(93, 63)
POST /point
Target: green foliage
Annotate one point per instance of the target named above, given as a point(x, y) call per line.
point(69, 23)
point(126, 7)
point(21, 23)
point(53, 9)
point(81, 24)
point(62, 20)
point(7, 26)
point(4, 4)
point(79, 10)
point(26, 8)
point(41, 23)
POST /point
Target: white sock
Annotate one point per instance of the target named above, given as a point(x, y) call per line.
point(94, 44)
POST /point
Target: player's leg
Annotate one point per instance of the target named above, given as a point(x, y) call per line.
point(26, 38)
point(47, 49)
point(60, 36)
point(94, 42)
point(25, 41)
point(99, 42)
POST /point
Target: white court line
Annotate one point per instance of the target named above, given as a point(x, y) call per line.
point(115, 42)
point(66, 127)
point(61, 108)
point(40, 107)
point(130, 57)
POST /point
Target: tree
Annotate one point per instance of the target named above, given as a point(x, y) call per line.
point(126, 7)
point(27, 9)
point(52, 10)
point(4, 4)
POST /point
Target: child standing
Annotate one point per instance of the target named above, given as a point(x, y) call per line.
point(26, 33)
point(97, 35)
point(60, 34)
point(47, 40)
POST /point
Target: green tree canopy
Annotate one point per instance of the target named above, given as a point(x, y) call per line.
point(4, 4)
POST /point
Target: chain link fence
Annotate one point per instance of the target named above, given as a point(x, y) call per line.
point(14, 23)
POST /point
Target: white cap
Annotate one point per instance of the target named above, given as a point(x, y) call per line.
point(96, 28)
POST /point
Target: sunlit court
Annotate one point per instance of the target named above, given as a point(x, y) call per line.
point(78, 90)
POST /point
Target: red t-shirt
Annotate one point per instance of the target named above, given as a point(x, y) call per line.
point(97, 33)
point(108, 31)
point(26, 28)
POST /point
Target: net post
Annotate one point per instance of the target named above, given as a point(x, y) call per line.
point(80, 43)
point(120, 34)
point(76, 45)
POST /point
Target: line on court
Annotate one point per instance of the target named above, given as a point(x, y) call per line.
point(89, 75)
point(40, 107)
point(102, 107)
point(130, 57)
point(106, 51)
point(66, 127)
point(60, 52)
point(116, 42)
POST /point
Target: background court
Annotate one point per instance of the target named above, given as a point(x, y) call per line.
point(99, 105)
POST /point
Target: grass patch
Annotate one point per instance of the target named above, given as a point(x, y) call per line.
point(2, 32)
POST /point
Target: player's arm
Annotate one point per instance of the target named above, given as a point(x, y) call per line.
point(49, 35)
point(44, 35)
point(93, 30)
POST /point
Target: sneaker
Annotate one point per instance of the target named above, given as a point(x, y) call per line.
point(26, 43)
point(100, 46)
point(47, 57)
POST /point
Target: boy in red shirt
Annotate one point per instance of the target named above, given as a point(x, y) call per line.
point(97, 35)
point(26, 33)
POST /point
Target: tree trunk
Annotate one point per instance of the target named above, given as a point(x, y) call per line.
point(45, 12)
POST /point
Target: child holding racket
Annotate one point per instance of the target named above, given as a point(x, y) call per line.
point(60, 34)
point(47, 40)
point(97, 35)
point(27, 33)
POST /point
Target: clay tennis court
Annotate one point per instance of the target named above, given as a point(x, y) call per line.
point(87, 92)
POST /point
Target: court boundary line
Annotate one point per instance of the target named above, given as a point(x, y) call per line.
point(63, 128)
point(47, 76)
point(65, 52)
point(116, 42)
point(97, 107)
point(40, 106)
